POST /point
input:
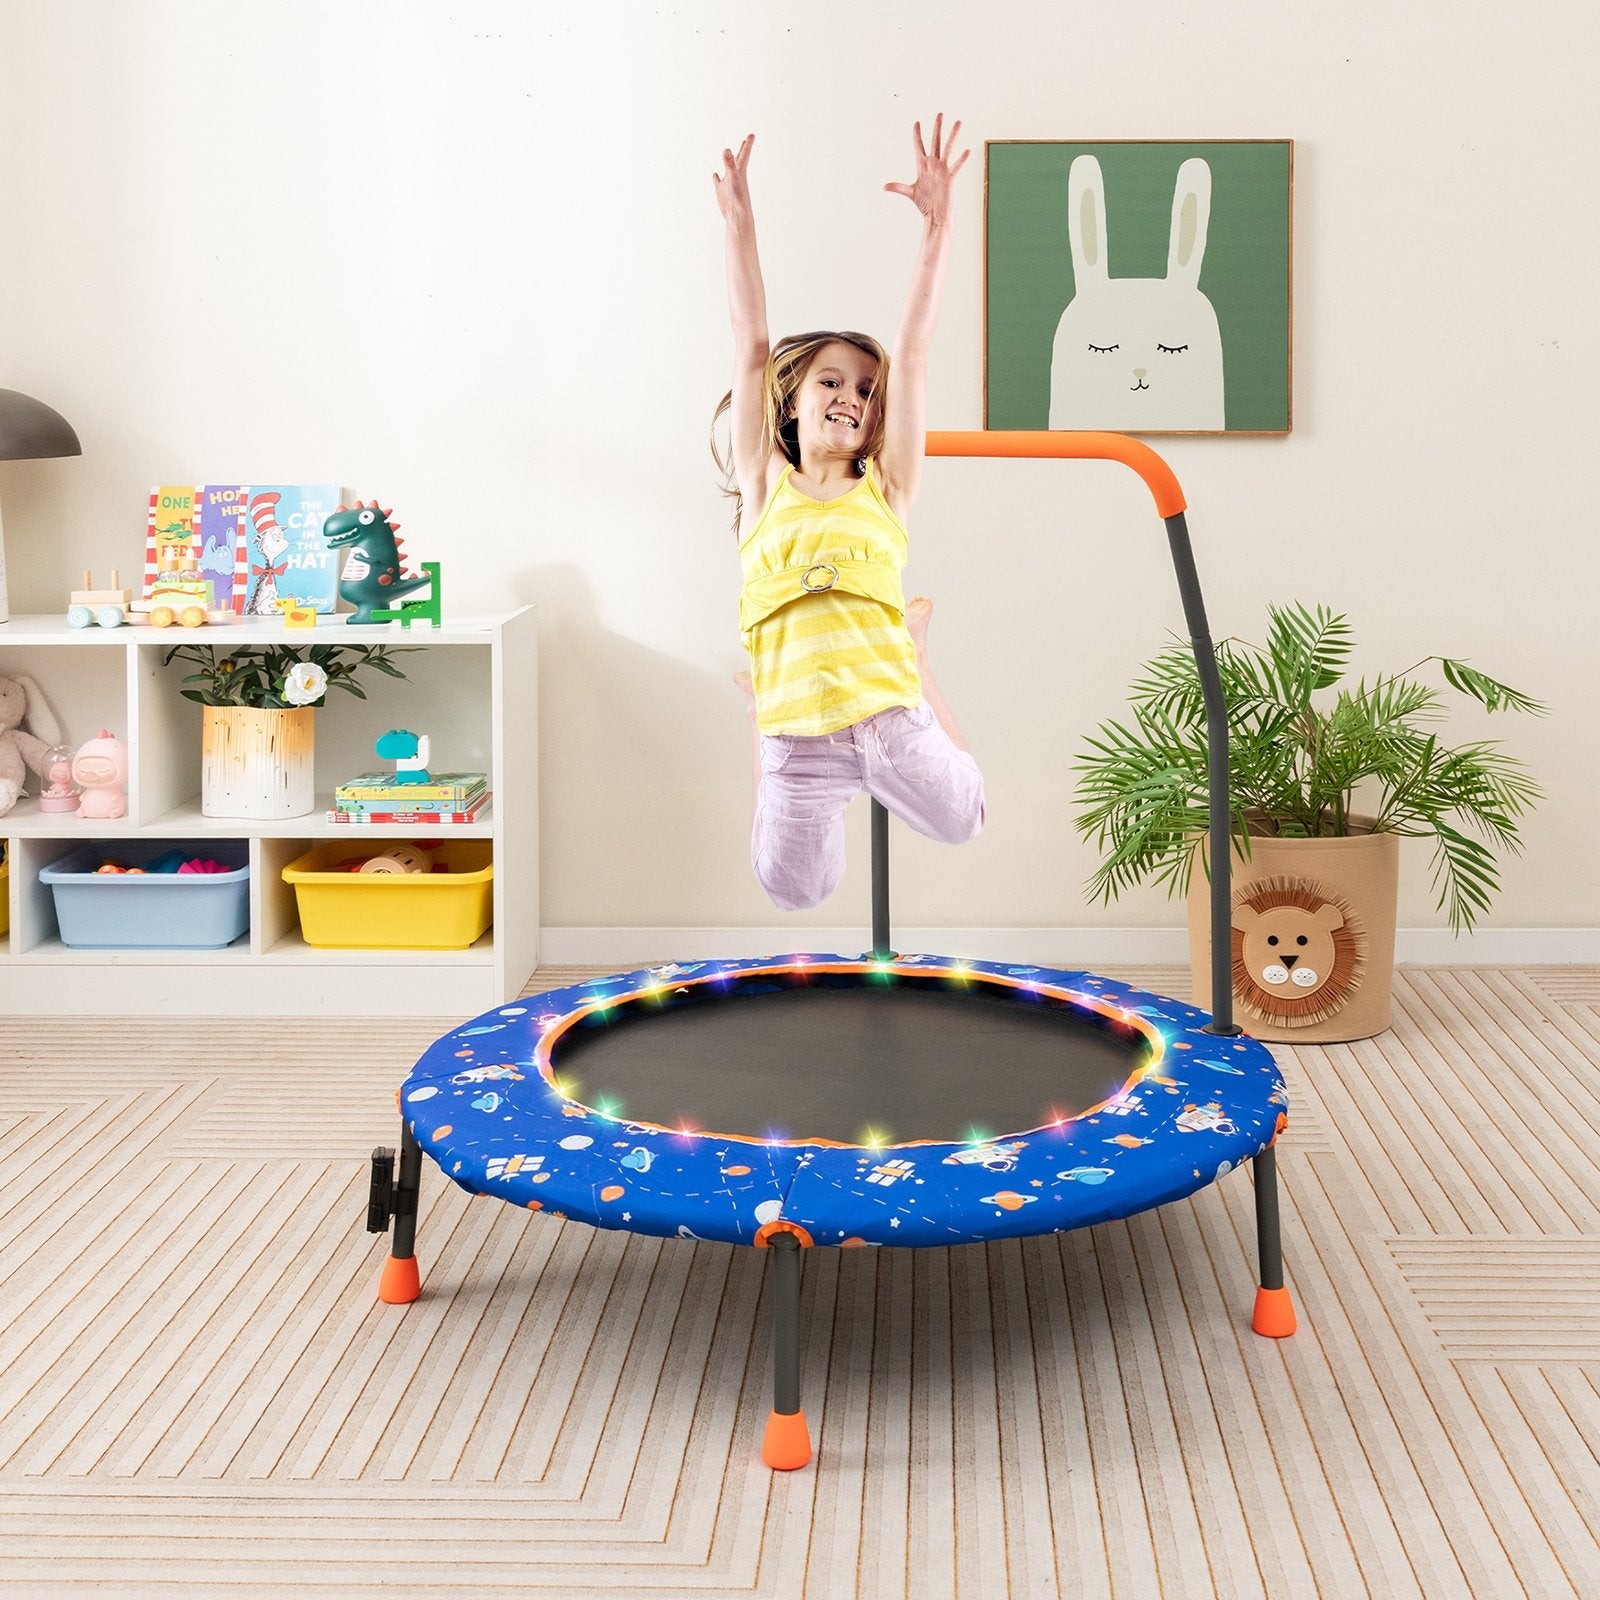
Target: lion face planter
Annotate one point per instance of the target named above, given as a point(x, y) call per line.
point(1313, 937)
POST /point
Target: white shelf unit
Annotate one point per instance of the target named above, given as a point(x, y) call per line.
point(471, 687)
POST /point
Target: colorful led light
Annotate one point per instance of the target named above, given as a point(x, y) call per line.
point(873, 969)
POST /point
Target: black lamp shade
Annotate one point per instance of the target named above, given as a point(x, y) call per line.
point(31, 431)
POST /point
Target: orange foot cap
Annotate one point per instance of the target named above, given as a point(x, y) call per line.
point(401, 1283)
point(1274, 1317)
point(788, 1441)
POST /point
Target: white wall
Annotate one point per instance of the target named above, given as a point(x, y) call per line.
point(467, 259)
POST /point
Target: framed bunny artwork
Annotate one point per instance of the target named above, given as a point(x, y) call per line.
point(1140, 286)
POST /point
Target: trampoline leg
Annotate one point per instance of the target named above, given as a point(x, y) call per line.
point(788, 1443)
point(1274, 1311)
point(400, 1283)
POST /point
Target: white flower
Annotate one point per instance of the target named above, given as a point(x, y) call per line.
point(305, 684)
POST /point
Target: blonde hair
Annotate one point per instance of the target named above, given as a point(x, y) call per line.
point(787, 365)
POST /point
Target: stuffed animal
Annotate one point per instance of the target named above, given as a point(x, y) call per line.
point(23, 748)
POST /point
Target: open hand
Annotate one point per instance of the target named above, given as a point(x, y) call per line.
point(930, 193)
point(733, 192)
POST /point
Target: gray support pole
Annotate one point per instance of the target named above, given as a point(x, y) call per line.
point(1218, 813)
point(785, 1250)
point(407, 1193)
point(1269, 1250)
point(881, 947)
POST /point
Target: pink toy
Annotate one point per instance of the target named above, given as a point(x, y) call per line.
point(101, 767)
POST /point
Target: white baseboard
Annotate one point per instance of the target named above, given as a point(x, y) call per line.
point(1499, 947)
point(625, 948)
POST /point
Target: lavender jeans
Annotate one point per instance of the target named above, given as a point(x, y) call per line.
point(901, 757)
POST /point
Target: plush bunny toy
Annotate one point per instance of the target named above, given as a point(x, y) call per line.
point(20, 749)
point(1138, 355)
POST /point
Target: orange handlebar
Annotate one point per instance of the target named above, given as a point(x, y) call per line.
point(1158, 476)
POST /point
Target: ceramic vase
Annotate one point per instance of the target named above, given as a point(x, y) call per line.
point(257, 762)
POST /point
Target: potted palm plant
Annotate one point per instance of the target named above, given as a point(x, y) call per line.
point(1324, 781)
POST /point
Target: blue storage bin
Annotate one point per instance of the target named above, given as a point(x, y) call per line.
point(151, 910)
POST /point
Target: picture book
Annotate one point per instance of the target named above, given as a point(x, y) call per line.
point(456, 786)
point(421, 819)
point(429, 808)
point(400, 801)
point(222, 540)
point(288, 557)
point(170, 520)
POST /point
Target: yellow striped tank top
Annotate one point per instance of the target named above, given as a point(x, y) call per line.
point(822, 612)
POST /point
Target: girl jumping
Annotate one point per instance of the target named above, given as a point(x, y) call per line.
point(827, 437)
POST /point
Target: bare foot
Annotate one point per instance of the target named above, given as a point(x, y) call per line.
point(919, 613)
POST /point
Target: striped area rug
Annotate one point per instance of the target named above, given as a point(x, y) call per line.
point(201, 1396)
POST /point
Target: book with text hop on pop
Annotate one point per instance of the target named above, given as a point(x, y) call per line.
point(222, 541)
point(457, 786)
point(169, 519)
point(412, 819)
point(289, 559)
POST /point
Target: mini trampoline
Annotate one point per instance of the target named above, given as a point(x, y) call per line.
point(876, 1099)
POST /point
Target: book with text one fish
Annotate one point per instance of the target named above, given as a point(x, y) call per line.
point(169, 520)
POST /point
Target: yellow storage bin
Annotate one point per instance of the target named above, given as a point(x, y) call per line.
point(5, 893)
point(446, 909)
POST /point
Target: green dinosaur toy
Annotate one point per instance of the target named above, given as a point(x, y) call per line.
point(372, 576)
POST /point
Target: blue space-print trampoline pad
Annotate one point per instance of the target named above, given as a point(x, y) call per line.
point(484, 1103)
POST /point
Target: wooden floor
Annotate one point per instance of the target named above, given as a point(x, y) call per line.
point(200, 1395)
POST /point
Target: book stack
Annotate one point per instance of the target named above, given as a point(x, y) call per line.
point(447, 797)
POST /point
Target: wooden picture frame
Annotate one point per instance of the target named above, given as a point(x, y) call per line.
point(1140, 286)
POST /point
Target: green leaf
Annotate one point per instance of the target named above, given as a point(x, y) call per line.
point(1464, 874)
point(1308, 649)
point(1495, 696)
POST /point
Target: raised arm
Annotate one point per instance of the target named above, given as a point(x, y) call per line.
point(747, 307)
point(906, 415)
